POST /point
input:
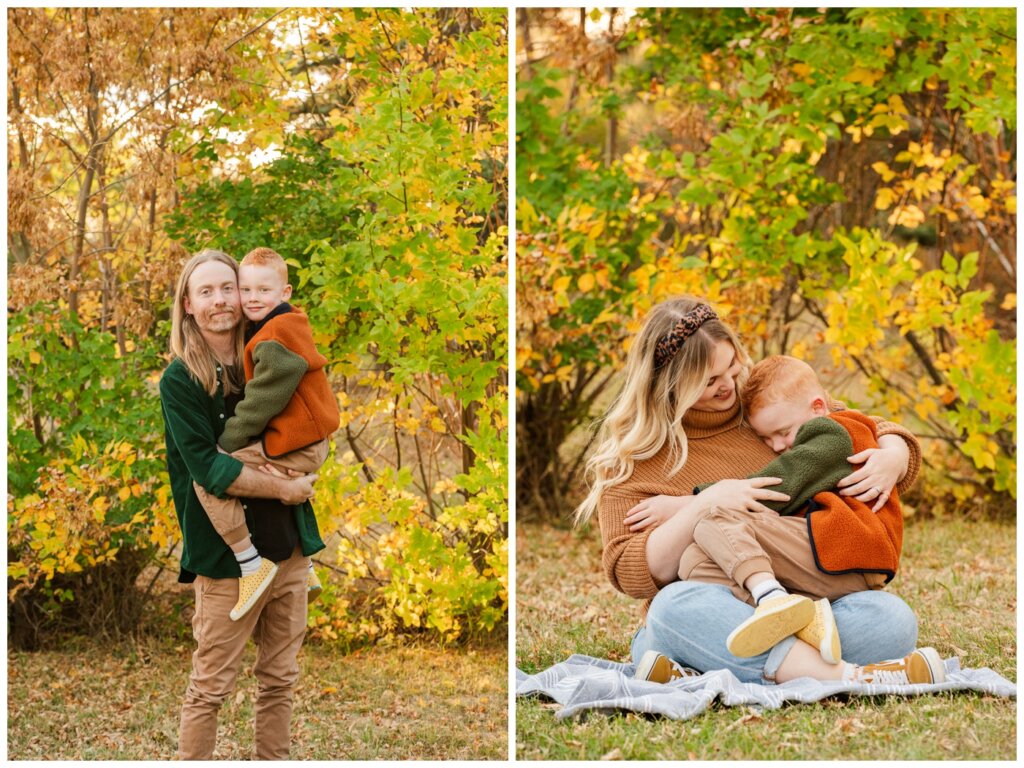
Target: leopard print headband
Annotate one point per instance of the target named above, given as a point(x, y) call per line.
point(669, 344)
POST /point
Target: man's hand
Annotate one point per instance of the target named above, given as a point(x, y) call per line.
point(298, 487)
point(271, 483)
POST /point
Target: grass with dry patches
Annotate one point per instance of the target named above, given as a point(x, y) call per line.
point(88, 702)
point(959, 576)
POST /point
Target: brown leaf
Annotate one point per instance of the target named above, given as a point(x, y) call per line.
point(747, 718)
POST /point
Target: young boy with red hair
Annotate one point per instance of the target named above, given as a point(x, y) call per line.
point(819, 543)
point(286, 417)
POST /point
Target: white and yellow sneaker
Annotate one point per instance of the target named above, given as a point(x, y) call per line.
point(774, 619)
point(252, 587)
point(922, 666)
point(822, 633)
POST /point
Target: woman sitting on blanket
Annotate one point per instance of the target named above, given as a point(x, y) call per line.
point(676, 425)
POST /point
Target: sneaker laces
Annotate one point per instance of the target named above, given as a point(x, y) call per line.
point(684, 672)
point(887, 677)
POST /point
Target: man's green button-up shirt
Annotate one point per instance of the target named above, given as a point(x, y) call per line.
point(193, 421)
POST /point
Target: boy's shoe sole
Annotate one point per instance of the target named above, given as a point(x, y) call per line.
point(252, 587)
point(773, 620)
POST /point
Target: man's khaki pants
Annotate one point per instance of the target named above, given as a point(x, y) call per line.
point(277, 623)
point(227, 514)
point(731, 546)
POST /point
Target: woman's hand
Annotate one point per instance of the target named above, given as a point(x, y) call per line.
point(653, 511)
point(881, 469)
point(742, 495)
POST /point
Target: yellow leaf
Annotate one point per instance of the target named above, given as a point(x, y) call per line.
point(925, 408)
point(792, 146)
point(1009, 301)
point(124, 493)
point(34, 357)
point(586, 282)
point(884, 198)
point(908, 216)
point(883, 170)
point(801, 70)
point(979, 204)
point(863, 75)
point(562, 284)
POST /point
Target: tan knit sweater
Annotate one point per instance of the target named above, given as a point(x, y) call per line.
point(720, 446)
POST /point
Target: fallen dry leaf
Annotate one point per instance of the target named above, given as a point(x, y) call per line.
point(748, 718)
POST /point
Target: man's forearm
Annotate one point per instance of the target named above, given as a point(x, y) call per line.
point(252, 483)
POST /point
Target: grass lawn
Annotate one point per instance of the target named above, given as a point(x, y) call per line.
point(91, 702)
point(959, 576)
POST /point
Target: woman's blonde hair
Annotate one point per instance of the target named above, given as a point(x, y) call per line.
point(187, 341)
point(649, 410)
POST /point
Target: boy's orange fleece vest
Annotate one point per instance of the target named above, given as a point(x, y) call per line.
point(312, 413)
point(845, 534)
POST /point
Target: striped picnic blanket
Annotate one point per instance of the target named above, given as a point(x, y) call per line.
point(583, 684)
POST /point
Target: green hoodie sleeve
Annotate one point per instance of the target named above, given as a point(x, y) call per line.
point(276, 374)
point(815, 463)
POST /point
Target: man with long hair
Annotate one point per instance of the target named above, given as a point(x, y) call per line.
point(198, 393)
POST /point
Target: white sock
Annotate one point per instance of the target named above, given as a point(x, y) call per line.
point(770, 588)
point(249, 560)
point(849, 672)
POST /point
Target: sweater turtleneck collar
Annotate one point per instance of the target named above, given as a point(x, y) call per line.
point(698, 424)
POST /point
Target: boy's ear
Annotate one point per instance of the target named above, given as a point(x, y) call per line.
point(819, 406)
point(287, 292)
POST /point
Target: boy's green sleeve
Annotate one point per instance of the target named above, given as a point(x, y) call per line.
point(277, 372)
point(815, 463)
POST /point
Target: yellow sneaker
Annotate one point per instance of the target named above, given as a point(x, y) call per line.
point(313, 586)
point(252, 587)
point(658, 668)
point(822, 633)
point(922, 666)
point(773, 620)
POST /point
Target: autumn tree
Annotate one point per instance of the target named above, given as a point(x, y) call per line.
point(138, 136)
point(843, 176)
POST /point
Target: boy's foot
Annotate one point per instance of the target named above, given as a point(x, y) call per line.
point(313, 586)
point(822, 633)
point(655, 667)
point(252, 587)
point(922, 666)
point(774, 619)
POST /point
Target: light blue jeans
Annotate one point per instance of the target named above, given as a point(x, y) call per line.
point(689, 622)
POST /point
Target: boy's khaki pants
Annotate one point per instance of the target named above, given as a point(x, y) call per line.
point(278, 624)
point(731, 546)
point(227, 514)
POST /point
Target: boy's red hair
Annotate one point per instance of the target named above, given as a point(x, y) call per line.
point(265, 257)
point(778, 378)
